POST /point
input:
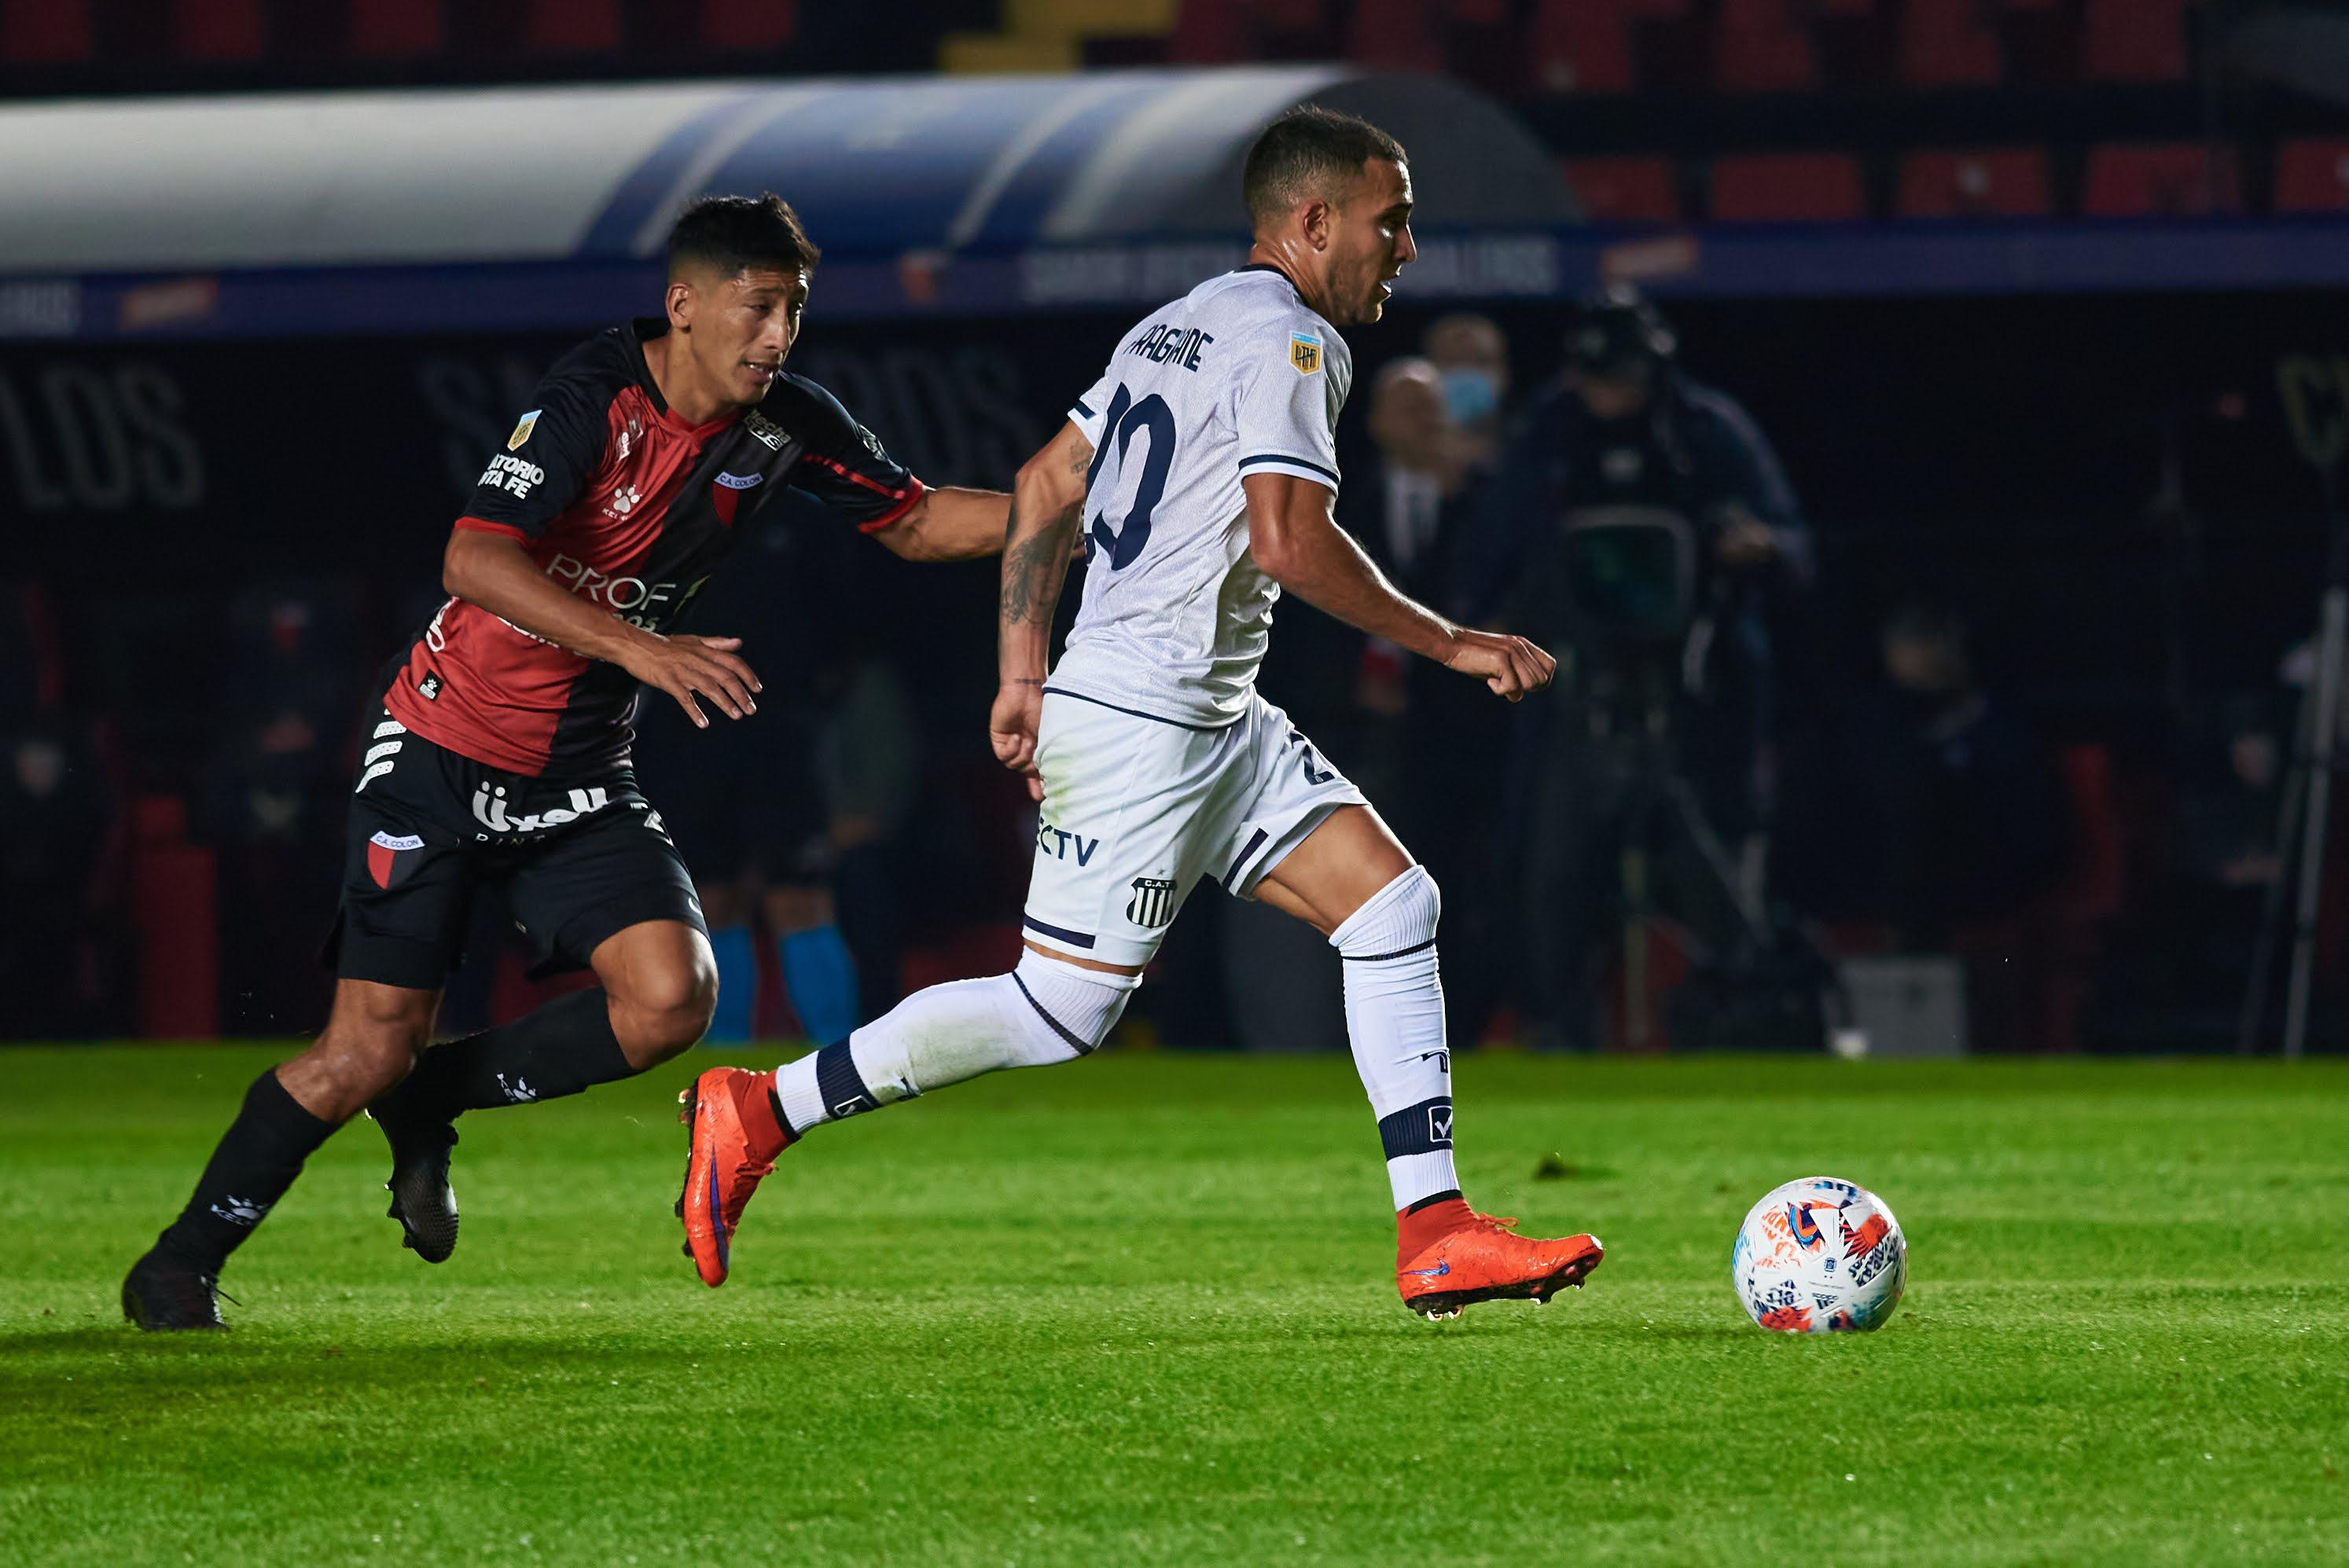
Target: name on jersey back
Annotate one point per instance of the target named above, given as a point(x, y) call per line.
point(1168, 345)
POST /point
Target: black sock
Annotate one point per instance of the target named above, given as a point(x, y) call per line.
point(564, 1047)
point(257, 1159)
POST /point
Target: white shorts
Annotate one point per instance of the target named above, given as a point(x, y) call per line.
point(1138, 810)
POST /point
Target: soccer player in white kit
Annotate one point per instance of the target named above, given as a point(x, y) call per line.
point(1201, 471)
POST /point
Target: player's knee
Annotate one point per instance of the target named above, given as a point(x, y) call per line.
point(1401, 916)
point(375, 1034)
point(1070, 1011)
point(665, 1011)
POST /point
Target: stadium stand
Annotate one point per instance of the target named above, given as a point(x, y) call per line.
point(2312, 176)
point(2174, 180)
point(1999, 182)
point(2133, 41)
point(1625, 189)
point(1786, 188)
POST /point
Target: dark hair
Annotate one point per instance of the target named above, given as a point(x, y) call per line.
point(1616, 329)
point(731, 232)
point(1310, 150)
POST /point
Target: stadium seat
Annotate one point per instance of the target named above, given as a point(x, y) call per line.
point(401, 29)
point(1950, 44)
point(2001, 182)
point(2133, 41)
point(1624, 190)
point(1394, 34)
point(2172, 179)
point(1787, 187)
point(1585, 46)
point(1216, 32)
point(1760, 46)
point(572, 27)
point(44, 32)
point(1581, 47)
point(1206, 33)
point(219, 29)
point(2312, 177)
point(748, 26)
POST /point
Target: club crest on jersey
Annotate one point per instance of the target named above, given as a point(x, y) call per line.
point(391, 856)
point(1152, 904)
point(1304, 353)
point(521, 430)
point(726, 493)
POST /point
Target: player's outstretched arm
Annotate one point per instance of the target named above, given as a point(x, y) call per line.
point(496, 573)
point(1048, 503)
point(1299, 544)
point(950, 524)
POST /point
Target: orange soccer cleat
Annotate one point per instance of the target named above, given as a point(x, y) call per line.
point(1474, 1258)
point(734, 1136)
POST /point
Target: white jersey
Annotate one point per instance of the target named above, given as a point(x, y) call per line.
point(1238, 376)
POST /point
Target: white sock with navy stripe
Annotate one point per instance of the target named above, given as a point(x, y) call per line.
point(1394, 1017)
point(1043, 1012)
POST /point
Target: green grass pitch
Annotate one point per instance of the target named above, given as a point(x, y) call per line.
point(1140, 1310)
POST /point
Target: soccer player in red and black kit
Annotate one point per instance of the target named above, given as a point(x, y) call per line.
point(498, 754)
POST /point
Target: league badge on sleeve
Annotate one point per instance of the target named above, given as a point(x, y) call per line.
point(521, 430)
point(1304, 353)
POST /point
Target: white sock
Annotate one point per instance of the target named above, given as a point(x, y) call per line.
point(1395, 1017)
point(1043, 1012)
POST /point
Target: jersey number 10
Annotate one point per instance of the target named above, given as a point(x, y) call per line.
point(1125, 416)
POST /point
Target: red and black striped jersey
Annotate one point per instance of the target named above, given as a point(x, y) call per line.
point(627, 505)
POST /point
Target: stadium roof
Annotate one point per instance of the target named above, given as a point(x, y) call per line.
point(543, 208)
point(912, 172)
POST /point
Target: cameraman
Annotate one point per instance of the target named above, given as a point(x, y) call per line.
point(1621, 426)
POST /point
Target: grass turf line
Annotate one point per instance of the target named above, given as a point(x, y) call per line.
point(1140, 1309)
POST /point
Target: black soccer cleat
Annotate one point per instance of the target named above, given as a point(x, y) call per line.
point(160, 1293)
point(421, 1199)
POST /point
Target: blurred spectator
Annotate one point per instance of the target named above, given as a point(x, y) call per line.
point(1936, 807)
point(32, 656)
point(274, 796)
point(63, 950)
point(1638, 524)
point(64, 843)
point(868, 761)
point(789, 819)
point(1419, 738)
point(1472, 358)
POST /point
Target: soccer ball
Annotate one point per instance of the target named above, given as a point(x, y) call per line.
point(1819, 1256)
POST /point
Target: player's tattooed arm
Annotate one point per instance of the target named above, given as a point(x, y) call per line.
point(1039, 536)
point(1048, 503)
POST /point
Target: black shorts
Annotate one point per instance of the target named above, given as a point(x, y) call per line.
point(576, 860)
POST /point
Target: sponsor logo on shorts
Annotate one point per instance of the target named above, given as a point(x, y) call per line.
point(1061, 844)
point(490, 810)
point(1152, 904)
point(429, 688)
